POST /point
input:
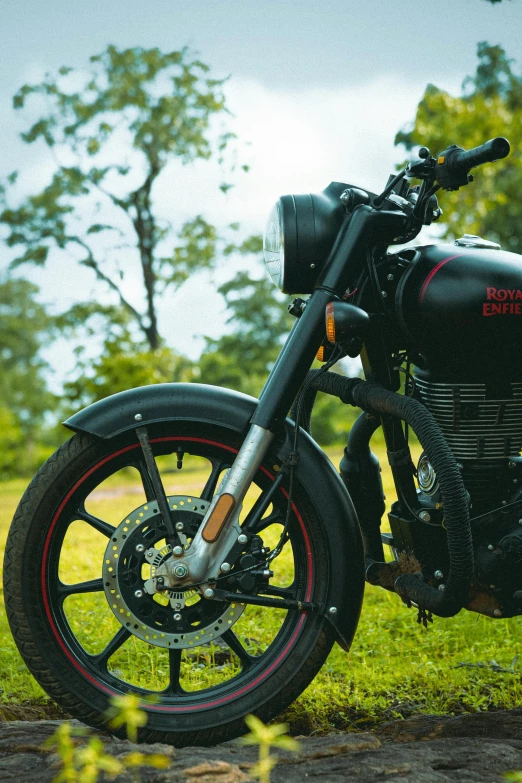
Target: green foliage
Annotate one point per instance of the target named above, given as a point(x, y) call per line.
point(124, 365)
point(85, 763)
point(24, 398)
point(113, 128)
point(125, 711)
point(242, 359)
point(490, 105)
point(266, 737)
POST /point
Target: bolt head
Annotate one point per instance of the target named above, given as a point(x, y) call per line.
point(491, 547)
point(177, 606)
point(138, 594)
point(150, 553)
point(177, 617)
point(225, 567)
point(442, 588)
point(512, 464)
point(140, 548)
point(180, 571)
point(520, 521)
point(425, 516)
point(138, 417)
point(332, 610)
point(497, 613)
point(438, 574)
point(179, 526)
point(242, 538)
point(178, 550)
point(390, 277)
point(208, 593)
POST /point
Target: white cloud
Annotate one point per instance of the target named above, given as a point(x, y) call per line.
point(298, 141)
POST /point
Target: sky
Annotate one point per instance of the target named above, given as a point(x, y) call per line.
point(318, 90)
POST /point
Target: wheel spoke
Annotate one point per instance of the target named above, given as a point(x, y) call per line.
point(281, 592)
point(174, 686)
point(212, 481)
point(275, 518)
point(235, 645)
point(91, 586)
point(145, 479)
point(98, 524)
point(115, 643)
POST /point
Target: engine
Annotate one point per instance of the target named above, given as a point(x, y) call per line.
point(460, 310)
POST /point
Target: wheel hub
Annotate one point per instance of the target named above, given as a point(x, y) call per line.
point(144, 581)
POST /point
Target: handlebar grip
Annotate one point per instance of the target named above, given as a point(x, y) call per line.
point(491, 150)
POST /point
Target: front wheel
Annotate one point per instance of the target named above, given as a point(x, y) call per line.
point(83, 550)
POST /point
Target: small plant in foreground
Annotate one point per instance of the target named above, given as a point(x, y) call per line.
point(84, 764)
point(513, 777)
point(266, 737)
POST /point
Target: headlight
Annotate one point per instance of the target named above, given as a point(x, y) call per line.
point(273, 248)
point(299, 235)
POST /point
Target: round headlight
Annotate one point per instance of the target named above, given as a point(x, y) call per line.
point(299, 235)
point(273, 247)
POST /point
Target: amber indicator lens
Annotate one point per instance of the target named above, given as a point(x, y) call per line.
point(330, 322)
point(320, 354)
point(218, 517)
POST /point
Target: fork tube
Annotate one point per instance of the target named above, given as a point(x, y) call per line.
point(344, 263)
point(294, 362)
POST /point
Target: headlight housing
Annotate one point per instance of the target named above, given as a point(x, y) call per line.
point(300, 232)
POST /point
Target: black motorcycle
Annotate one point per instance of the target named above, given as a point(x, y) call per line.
point(226, 600)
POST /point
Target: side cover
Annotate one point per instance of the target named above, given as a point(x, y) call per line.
point(213, 405)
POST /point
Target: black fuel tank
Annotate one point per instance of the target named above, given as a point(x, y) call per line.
point(461, 310)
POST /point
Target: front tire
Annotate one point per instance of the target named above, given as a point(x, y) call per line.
point(83, 648)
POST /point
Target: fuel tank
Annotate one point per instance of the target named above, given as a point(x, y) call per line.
point(460, 310)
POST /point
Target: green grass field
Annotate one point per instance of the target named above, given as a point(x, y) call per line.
point(395, 668)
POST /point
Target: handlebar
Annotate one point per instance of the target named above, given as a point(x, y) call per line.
point(491, 150)
point(453, 164)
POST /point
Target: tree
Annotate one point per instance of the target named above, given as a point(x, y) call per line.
point(490, 105)
point(124, 365)
point(24, 327)
point(243, 358)
point(24, 397)
point(112, 130)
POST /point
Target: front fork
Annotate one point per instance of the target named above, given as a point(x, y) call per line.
point(220, 529)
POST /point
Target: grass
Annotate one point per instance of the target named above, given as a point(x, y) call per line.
point(395, 668)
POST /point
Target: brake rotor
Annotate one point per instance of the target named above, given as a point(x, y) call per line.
point(174, 617)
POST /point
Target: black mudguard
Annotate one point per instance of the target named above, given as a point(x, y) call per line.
point(213, 405)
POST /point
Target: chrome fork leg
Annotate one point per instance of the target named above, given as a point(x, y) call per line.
point(206, 553)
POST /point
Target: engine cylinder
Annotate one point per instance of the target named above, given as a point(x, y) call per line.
point(477, 424)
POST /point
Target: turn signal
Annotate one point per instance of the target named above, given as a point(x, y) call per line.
point(345, 321)
point(330, 322)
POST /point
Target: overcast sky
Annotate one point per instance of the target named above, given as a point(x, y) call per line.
point(318, 89)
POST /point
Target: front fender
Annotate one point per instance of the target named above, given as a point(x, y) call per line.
point(233, 410)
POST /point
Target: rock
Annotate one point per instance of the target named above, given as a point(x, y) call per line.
point(479, 747)
point(502, 724)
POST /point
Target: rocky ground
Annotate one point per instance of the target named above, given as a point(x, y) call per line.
point(424, 749)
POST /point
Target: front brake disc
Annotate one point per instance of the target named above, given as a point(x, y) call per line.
point(172, 618)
